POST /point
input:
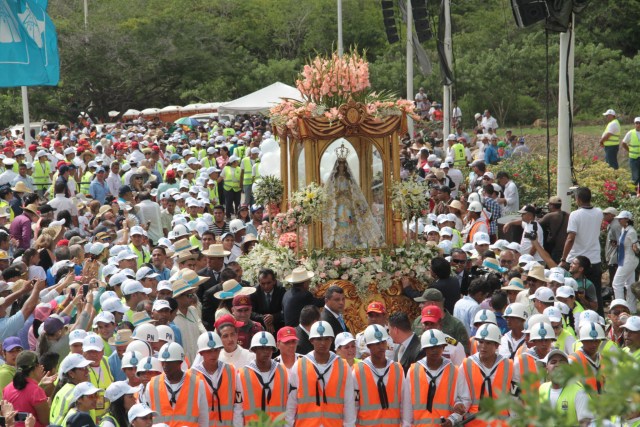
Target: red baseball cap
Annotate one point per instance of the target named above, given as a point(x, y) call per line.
point(376, 307)
point(286, 334)
point(33, 147)
point(63, 242)
point(241, 301)
point(156, 148)
point(134, 144)
point(8, 150)
point(227, 319)
point(57, 144)
point(171, 173)
point(431, 313)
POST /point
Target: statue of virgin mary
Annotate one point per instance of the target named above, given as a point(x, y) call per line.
point(349, 223)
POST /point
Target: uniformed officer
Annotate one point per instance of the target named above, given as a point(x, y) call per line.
point(432, 319)
point(376, 315)
point(482, 316)
point(516, 316)
point(525, 365)
point(588, 356)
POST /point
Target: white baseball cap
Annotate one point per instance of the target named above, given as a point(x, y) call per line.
point(632, 324)
point(118, 389)
point(146, 273)
point(481, 239)
point(344, 338)
point(130, 286)
point(543, 294)
point(84, 389)
point(139, 410)
point(619, 301)
point(609, 112)
point(114, 305)
point(73, 361)
point(92, 341)
point(160, 304)
point(565, 292)
point(77, 336)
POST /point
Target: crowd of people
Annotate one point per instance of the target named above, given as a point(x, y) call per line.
point(123, 301)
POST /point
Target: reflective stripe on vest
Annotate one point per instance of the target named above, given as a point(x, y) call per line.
point(143, 257)
point(527, 367)
point(443, 400)
point(592, 376)
point(226, 394)
point(459, 156)
point(614, 139)
point(61, 402)
point(370, 411)
point(231, 178)
point(566, 403)
point(185, 412)
point(634, 145)
point(328, 414)
point(252, 393)
point(248, 167)
point(102, 383)
point(41, 175)
point(475, 377)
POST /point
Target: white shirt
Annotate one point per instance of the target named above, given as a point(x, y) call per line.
point(203, 405)
point(114, 183)
point(7, 177)
point(361, 347)
point(508, 345)
point(191, 327)
point(525, 243)
point(465, 310)
point(512, 197)
point(149, 211)
point(62, 203)
point(627, 137)
point(613, 128)
point(585, 223)
point(239, 358)
point(349, 412)
point(489, 123)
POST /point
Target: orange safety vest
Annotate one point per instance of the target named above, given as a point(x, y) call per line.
point(444, 399)
point(474, 229)
point(592, 376)
point(185, 411)
point(500, 384)
point(270, 397)
point(371, 412)
point(473, 346)
point(313, 409)
point(221, 413)
point(526, 367)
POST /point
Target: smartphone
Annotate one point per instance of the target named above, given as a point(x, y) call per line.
point(21, 416)
point(2, 422)
point(74, 292)
point(85, 290)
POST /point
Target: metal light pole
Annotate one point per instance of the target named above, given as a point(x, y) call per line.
point(448, 52)
point(340, 47)
point(86, 14)
point(565, 100)
point(409, 62)
point(25, 117)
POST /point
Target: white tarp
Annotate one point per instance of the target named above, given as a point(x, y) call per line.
point(262, 100)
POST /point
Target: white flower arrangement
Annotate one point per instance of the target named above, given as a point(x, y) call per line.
point(410, 197)
point(310, 203)
point(268, 189)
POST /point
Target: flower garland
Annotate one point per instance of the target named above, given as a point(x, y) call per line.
point(309, 204)
point(265, 255)
point(268, 189)
point(410, 197)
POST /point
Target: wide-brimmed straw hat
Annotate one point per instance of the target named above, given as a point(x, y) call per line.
point(299, 275)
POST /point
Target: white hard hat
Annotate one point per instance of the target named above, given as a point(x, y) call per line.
point(536, 318)
point(432, 338)
point(130, 359)
point(475, 207)
point(541, 331)
point(321, 329)
point(263, 339)
point(516, 309)
point(553, 313)
point(145, 332)
point(236, 225)
point(149, 363)
point(590, 331)
point(142, 347)
point(488, 332)
point(209, 341)
point(374, 334)
point(171, 352)
point(485, 316)
point(165, 333)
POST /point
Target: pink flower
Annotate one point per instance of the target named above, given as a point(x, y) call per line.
point(323, 275)
point(336, 263)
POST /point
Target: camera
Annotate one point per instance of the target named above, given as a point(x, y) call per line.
point(572, 190)
point(531, 236)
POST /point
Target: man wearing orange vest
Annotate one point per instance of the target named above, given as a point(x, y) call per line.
point(432, 405)
point(525, 365)
point(324, 382)
point(219, 378)
point(262, 385)
point(476, 222)
point(378, 382)
point(178, 397)
point(591, 336)
point(484, 374)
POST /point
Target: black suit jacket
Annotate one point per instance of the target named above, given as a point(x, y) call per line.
point(335, 325)
point(204, 287)
point(293, 302)
point(304, 345)
point(412, 353)
point(260, 307)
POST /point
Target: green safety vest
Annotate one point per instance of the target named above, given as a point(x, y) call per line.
point(459, 156)
point(248, 173)
point(240, 151)
point(566, 404)
point(634, 145)
point(231, 178)
point(213, 195)
point(143, 256)
point(86, 182)
point(209, 163)
point(41, 175)
point(614, 139)
point(4, 205)
point(256, 174)
point(106, 381)
point(111, 419)
point(60, 406)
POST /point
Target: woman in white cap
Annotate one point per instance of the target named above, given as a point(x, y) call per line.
point(73, 370)
point(85, 400)
point(346, 348)
point(122, 398)
point(140, 415)
point(627, 260)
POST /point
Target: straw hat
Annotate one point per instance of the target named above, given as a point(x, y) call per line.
point(103, 210)
point(456, 204)
point(299, 275)
point(537, 272)
point(179, 287)
point(248, 239)
point(216, 251)
point(21, 187)
point(33, 209)
point(122, 337)
point(231, 288)
point(191, 277)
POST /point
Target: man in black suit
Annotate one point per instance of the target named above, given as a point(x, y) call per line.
point(267, 301)
point(334, 302)
point(409, 348)
point(460, 268)
point(298, 296)
point(209, 301)
point(215, 263)
point(308, 316)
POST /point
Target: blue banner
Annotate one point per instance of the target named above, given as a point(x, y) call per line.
point(28, 44)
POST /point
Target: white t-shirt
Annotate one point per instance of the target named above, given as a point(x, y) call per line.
point(585, 223)
point(613, 128)
point(525, 243)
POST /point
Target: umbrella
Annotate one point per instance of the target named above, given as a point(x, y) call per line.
point(187, 121)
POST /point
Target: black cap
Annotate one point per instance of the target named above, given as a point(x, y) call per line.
point(124, 190)
point(80, 419)
point(43, 209)
point(528, 209)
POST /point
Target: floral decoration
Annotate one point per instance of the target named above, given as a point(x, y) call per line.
point(410, 197)
point(309, 204)
point(266, 255)
point(268, 190)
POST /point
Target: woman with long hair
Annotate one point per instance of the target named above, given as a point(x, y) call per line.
point(121, 396)
point(84, 400)
point(45, 245)
point(31, 258)
point(141, 415)
point(25, 392)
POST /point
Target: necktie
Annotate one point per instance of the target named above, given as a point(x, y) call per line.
point(382, 390)
point(431, 394)
point(268, 298)
point(341, 320)
point(400, 352)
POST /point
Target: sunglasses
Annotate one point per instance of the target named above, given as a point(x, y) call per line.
point(458, 261)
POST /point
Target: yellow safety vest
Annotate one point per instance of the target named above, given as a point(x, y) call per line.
point(566, 404)
point(231, 178)
point(41, 175)
point(86, 182)
point(102, 383)
point(634, 145)
point(209, 163)
point(213, 195)
point(459, 156)
point(614, 139)
point(4, 205)
point(248, 173)
point(143, 256)
point(240, 151)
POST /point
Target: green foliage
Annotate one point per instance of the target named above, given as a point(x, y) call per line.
point(265, 421)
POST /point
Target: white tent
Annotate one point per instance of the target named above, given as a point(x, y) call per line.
point(262, 100)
